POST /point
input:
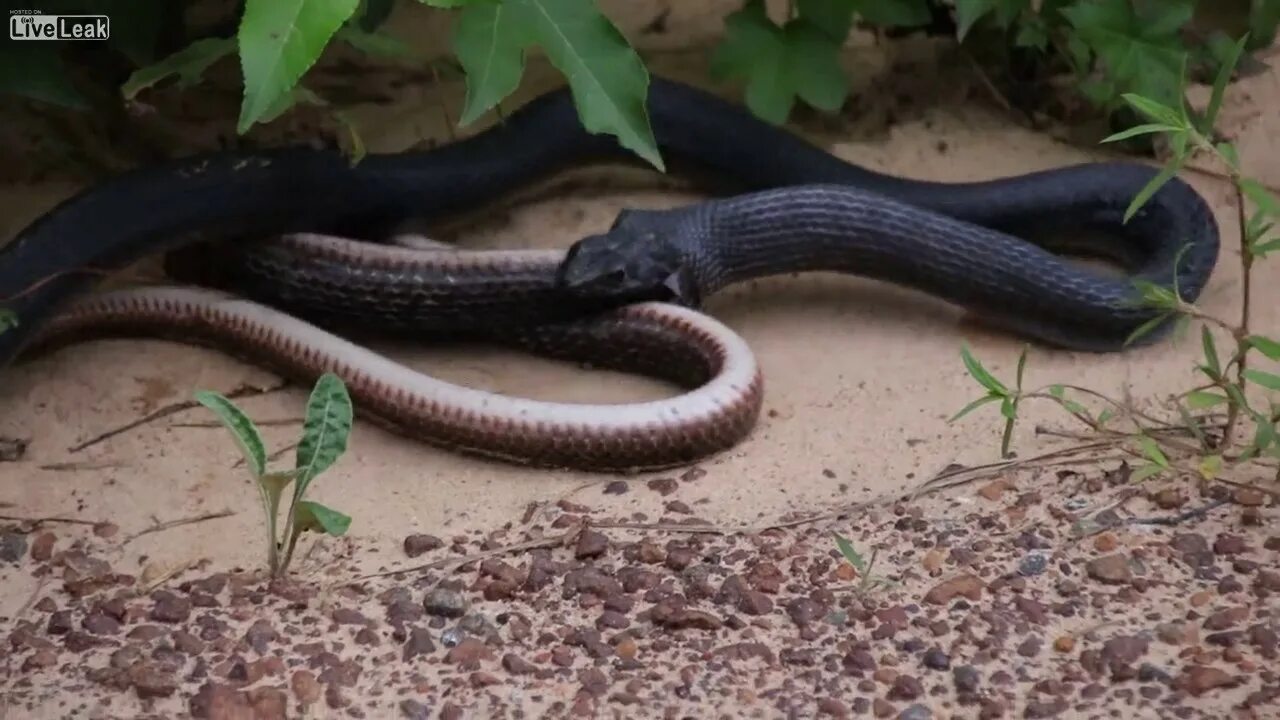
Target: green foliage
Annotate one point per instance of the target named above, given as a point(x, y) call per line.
point(860, 564)
point(1228, 379)
point(1118, 49)
point(799, 59)
point(324, 439)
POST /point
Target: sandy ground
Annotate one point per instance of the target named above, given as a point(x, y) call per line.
point(861, 376)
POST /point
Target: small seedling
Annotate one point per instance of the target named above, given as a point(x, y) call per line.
point(866, 580)
point(324, 439)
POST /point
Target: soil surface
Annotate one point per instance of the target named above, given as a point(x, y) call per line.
point(1050, 585)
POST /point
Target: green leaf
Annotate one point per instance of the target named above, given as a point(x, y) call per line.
point(1266, 346)
point(1261, 249)
point(325, 430)
point(833, 17)
point(279, 41)
point(847, 550)
point(1154, 110)
point(975, 405)
point(1228, 152)
point(1144, 472)
point(1104, 416)
point(1140, 51)
point(490, 40)
point(35, 70)
point(1145, 129)
point(314, 517)
point(1266, 201)
point(780, 64)
point(1264, 18)
point(1210, 352)
point(8, 320)
point(1060, 394)
point(284, 103)
point(1153, 451)
point(980, 373)
point(189, 64)
point(1210, 467)
point(241, 427)
point(608, 79)
point(1201, 400)
point(1166, 174)
point(373, 43)
point(1265, 379)
point(1145, 328)
point(969, 12)
point(894, 13)
point(1220, 85)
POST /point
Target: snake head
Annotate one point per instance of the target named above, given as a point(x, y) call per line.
point(629, 263)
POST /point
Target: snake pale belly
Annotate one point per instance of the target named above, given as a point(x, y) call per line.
point(796, 208)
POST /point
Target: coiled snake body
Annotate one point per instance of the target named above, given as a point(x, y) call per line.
point(615, 298)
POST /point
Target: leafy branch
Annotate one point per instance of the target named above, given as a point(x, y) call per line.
point(1228, 381)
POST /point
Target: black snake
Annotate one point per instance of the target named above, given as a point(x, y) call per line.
point(301, 220)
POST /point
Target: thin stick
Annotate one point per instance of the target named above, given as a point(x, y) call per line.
point(240, 392)
point(550, 541)
point(52, 519)
point(178, 523)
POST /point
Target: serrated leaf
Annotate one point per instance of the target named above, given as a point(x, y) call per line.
point(969, 12)
point(489, 40)
point(1266, 346)
point(1201, 400)
point(847, 550)
point(241, 428)
point(609, 81)
point(279, 41)
point(298, 95)
point(314, 517)
point(188, 64)
point(1267, 380)
point(324, 431)
point(894, 13)
point(1142, 52)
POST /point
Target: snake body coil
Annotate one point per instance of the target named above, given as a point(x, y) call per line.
point(799, 208)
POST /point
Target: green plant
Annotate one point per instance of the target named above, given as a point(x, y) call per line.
point(1110, 47)
point(866, 580)
point(1158, 444)
point(324, 439)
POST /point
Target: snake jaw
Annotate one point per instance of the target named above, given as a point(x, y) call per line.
point(629, 263)
point(683, 287)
